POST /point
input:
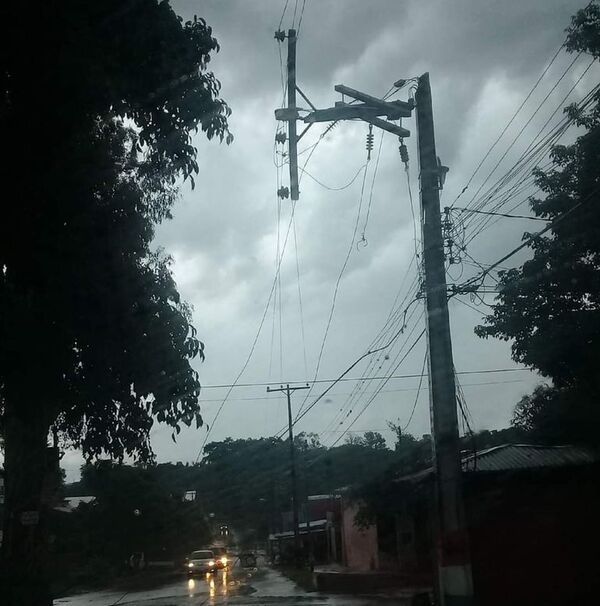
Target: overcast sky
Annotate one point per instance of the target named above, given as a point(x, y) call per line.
point(483, 58)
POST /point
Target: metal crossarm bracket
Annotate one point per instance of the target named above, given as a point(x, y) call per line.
point(405, 107)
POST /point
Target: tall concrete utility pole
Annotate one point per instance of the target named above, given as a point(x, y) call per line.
point(453, 554)
point(291, 99)
point(287, 390)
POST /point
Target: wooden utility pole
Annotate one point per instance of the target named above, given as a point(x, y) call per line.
point(291, 98)
point(453, 554)
point(287, 390)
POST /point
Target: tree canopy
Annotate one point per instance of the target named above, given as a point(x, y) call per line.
point(549, 308)
point(100, 104)
point(95, 317)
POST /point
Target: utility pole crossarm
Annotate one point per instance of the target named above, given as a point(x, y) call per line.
point(390, 128)
point(361, 112)
point(405, 107)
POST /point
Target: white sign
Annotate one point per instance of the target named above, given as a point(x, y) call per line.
point(30, 518)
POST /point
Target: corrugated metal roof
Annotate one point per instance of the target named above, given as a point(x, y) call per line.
point(315, 526)
point(517, 457)
point(70, 504)
point(525, 456)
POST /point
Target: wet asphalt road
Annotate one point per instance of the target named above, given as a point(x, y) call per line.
point(234, 588)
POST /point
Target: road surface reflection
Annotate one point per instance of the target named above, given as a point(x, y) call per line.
point(217, 585)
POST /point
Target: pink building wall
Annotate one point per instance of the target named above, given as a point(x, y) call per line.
point(359, 546)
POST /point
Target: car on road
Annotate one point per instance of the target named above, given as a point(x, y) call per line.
point(222, 558)
point(201, 561)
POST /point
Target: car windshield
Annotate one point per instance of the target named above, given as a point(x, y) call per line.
point(219, 551)
point(201, 555)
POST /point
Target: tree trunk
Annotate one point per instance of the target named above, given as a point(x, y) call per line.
point(23, 576)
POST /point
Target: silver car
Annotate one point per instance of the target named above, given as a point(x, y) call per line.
point(200, 562)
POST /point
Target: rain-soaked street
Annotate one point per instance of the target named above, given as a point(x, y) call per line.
point(238, 588)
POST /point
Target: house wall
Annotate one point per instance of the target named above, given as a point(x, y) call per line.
point(359, 546)
point(534, 538)
point(533, 535)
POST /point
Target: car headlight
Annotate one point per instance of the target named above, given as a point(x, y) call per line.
point(211, 563)
point(191, 565)
point(223, 560)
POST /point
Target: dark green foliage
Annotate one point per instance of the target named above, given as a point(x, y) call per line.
point(99, 104)
point(165, 526)
point(135, 510)
point(550, 307)
point(98, 112)
point(552, 415)
point(370, 439)
point(379, 495)
point(246, 482)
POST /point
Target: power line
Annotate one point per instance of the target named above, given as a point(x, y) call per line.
point(412, 210)
point(469, 305)
point(534, 151)
point(537, 150)
point(283, 13)
point(412, 412)
point(395, 317)
point(523, 128)
point(336, 288)
point(334, 188)
point(255, 341)
point(300, 298)
point(485, 157)
point(386, 379)
point(528, 240)
point(347, 379)
point(366, 223)
point(357, 361)
point(338, 394)
point(494, 214)
point(279, 290)
point(300, 19)
point(383, 381)
point(360, 388)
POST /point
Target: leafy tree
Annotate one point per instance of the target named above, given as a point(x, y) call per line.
point(378, 494)
point(370, 439)
point(134, 510)
point(134, 504)
point(550, 307)
point(246, 482)
point(307, 440)
point(552, 415)
point(98, 110)
point(374, 440)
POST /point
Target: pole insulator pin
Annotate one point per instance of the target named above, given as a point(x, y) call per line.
point(279, 35)
point(370, 138)
point(403, 152)
point(283, 192)
point(281, 137)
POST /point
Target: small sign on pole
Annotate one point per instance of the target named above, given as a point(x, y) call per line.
point(30, 518)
